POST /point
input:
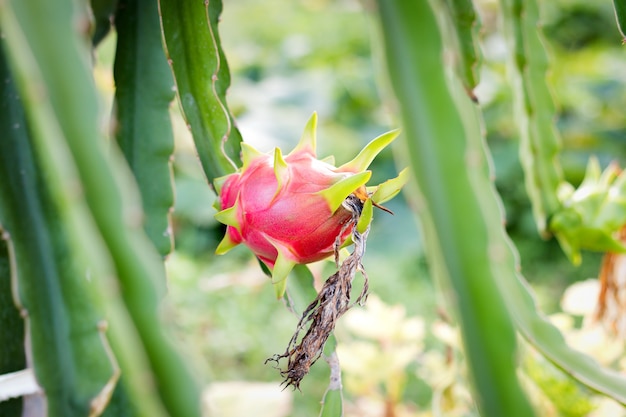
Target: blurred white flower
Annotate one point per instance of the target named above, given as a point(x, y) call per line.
point(447, 333)
point(564, 322)
point(580, 299)
point(243, 398)
point(380, 322)
point(595, 341)
point(608, 407)
point(381, 341)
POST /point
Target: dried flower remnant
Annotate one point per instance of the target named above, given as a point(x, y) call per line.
point(331, 303)
point(611, 308)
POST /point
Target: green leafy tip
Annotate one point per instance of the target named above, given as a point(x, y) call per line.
point(367, 154)
point(229, 216)
point(308, 141)
point(593, 213)
point(282, 268)
point(366, 216)
point(338, 192)
point(388, 189)
point(225, 245)
point(218, 183)
point(281, 170)
point(248, 154)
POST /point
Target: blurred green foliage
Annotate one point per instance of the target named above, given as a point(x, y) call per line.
point(588, 90)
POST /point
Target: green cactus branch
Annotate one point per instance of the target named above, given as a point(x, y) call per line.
point(535, 109)
point(31, 27)
point(442, 159)
point(143, 93)
point(190, 33)
point(12, 355)
point(466, 26)
point(71, 357)
point(578, 219)
point(428, 139)
point(62, 181)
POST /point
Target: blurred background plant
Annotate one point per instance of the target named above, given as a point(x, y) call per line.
point(401, 355)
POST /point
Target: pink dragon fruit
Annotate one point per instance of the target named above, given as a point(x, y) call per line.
point(288, 210)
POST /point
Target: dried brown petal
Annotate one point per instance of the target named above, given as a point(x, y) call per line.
point(332, 302)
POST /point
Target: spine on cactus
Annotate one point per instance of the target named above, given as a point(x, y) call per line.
point(290, 209)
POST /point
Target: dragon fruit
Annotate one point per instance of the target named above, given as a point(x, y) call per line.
point(288, 209)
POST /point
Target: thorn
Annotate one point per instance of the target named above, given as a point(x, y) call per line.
point(383, 208)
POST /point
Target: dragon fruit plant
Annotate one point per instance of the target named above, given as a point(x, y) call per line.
point(290, 209)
